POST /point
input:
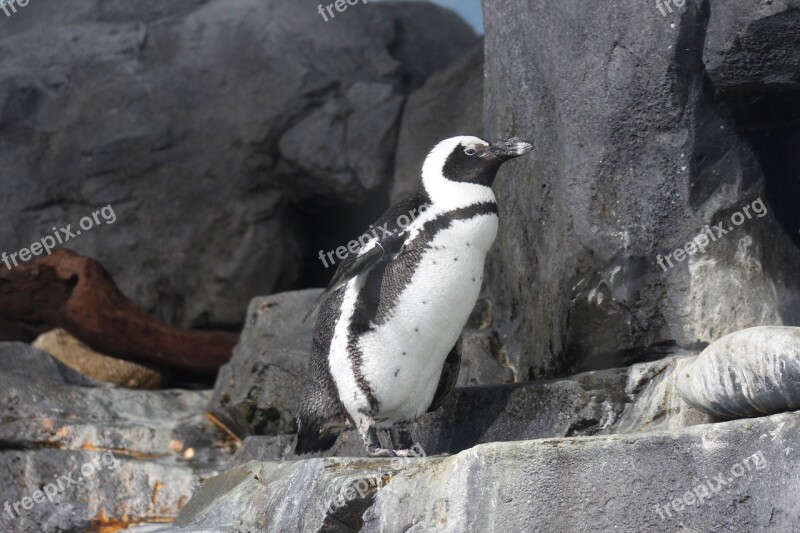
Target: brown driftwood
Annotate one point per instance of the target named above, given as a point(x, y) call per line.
point(74, 292)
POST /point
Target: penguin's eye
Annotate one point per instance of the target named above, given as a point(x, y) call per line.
point(470, 151)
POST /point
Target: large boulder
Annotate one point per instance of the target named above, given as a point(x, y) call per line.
point(636, 156)
point(219, 129)
point(748, 373)
point(648, 482)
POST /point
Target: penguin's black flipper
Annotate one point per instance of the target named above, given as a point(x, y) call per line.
point(390, 240)
point(353, 265)
point(449, 377)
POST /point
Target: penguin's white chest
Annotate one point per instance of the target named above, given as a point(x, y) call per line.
point(402, 358)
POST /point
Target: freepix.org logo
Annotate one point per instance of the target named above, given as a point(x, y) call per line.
point(51, 491)
point(9, 7)
point(59, 236)
point(340, 6)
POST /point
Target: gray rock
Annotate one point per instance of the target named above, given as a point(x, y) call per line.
point(635, 154)
point(147, 450)
point(477, 415)
point(450, 104)
point(653, 401)
point(213, 126)
point(22, 361)
point(427, 37)
point(720, 477)
point(483, 360)
point(618, 483)
point(59, 408)
point(223, 497)
point(748, 373)
point(314, 495)
point(118, 489)
point(259, 390)
point(752, 44)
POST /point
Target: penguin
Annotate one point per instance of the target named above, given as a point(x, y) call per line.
point(387, 342)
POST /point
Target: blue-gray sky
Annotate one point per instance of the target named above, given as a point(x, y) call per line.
point(469, 9)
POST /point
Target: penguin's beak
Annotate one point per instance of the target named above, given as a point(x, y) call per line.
point(510, 148)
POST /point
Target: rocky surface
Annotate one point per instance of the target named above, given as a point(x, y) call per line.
point(483, 360)
point(257, 110)
point(653, 402)
point(636, 152)
point(748, 373)
point(147, 450)
point(706, 478)
point(80, 357)
point(259, 391)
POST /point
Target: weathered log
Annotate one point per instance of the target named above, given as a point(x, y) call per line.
point(75, 293)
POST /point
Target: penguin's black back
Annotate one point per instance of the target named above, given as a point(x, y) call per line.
point(320, 406)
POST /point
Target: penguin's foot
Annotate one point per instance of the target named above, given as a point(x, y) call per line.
point(401, 438)
point(380, 452)
point(406, 453)
point(372, 444)
point(403, 442)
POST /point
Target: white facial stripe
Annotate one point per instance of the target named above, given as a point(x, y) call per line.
point(445, 194)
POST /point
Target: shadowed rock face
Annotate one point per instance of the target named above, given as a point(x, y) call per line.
point(748, 373)
point(223, 130)
point(637, 148)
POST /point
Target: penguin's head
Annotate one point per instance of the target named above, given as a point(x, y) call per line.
point(469, 160)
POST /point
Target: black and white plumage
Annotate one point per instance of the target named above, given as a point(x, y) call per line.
point(386, 345)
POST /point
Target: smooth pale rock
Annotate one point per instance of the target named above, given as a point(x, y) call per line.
point(752, 372)
point(77, 355)
point(616, 483)
point(654, 404)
